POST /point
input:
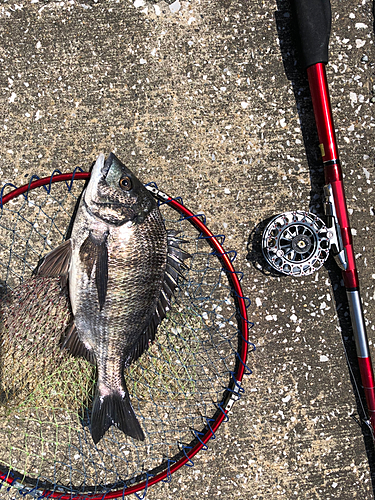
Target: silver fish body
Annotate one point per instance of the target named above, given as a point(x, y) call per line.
point(122, 268)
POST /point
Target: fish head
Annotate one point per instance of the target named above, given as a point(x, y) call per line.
point(115, 195)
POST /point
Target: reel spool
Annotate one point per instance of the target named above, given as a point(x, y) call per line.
point(296, 243)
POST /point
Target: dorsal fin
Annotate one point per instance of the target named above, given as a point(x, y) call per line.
point(175, 262)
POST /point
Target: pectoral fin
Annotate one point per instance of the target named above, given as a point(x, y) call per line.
point(56, 263)
point(94, 252)
point(101, 273)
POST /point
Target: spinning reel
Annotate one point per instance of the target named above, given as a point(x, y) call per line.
point(296, 243)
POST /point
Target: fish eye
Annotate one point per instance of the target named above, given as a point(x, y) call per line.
point(125, 183)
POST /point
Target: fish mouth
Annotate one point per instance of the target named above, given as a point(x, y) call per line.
point(107, 165)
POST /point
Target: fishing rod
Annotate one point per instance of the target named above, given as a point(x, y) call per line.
point(297, 243)
point(314, 22)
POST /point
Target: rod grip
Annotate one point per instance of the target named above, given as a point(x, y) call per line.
point(314, 26)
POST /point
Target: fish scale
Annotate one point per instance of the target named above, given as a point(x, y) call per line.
point(133, 290)
point(134, 284)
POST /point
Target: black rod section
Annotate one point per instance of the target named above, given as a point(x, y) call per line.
point(314, 26)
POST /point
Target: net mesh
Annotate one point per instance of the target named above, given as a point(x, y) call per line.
point(45, 394)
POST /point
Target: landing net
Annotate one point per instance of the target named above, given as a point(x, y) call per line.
point(181, 388)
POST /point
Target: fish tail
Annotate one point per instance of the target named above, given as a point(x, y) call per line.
point(114, 409)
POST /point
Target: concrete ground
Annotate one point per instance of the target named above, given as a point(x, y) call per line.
point(205, 98)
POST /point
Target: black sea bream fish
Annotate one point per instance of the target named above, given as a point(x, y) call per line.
point(122, 268)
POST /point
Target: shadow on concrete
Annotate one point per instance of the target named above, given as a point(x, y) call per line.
point(289, 46)
point(254, 250)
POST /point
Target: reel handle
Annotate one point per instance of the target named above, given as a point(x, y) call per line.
point(314, 26)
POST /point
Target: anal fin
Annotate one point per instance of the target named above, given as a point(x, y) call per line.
point(75, 346)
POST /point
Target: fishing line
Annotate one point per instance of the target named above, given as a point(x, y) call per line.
point(181, 389)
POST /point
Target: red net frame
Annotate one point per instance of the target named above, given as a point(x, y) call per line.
point(231, 394)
